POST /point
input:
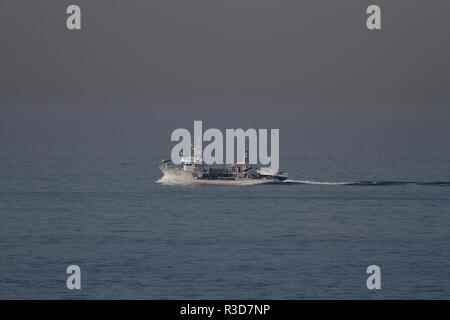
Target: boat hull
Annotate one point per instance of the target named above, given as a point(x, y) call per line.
point(174, 176)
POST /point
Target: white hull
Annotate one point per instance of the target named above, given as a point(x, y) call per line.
point(176, 177)
point(184, 177)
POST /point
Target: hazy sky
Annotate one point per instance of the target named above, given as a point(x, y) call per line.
point(139, 69)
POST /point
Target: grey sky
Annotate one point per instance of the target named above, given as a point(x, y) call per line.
point(139, 69)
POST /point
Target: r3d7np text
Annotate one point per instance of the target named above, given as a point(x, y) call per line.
point(246, 309)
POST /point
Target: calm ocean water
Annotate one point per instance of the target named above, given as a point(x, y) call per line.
point(136, 239)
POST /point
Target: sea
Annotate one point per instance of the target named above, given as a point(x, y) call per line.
point(311, 238)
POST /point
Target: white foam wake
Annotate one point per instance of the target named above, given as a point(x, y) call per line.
point(318, 182)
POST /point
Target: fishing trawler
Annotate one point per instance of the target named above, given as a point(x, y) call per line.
point(192, 170)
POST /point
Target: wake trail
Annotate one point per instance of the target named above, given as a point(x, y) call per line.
point(368, 183)
point(293, 181)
